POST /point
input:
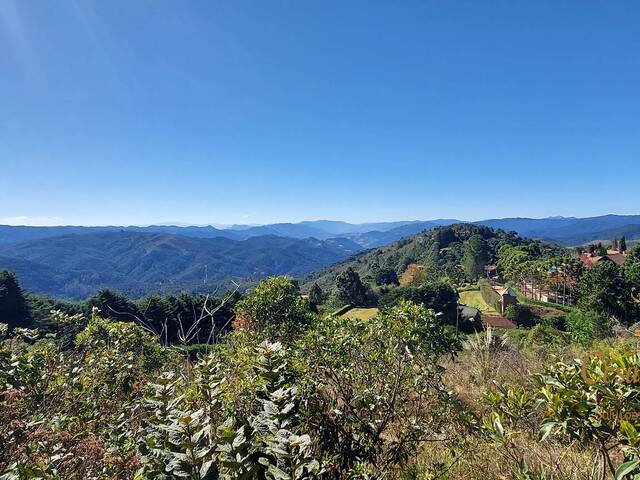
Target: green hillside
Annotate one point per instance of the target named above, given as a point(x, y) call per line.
point(75, 266)
point(440, 251)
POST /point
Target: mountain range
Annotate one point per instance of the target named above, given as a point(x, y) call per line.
point(75, 266)
point(74, 261)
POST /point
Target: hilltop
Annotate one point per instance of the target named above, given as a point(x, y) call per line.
point(437, 253)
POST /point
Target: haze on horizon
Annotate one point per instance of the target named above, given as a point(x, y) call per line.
point(234, 112)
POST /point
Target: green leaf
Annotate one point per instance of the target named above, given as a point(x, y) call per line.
point(546, 430)
point(626, 468)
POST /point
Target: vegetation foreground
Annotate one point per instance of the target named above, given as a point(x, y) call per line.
point(397, 396)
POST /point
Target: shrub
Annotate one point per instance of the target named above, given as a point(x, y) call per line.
point(437, 296)
point(374, 388)
point(275, 308)
point(586, 326)
point(546, 336)
point(520, 314)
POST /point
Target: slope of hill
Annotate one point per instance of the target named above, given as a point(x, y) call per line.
point(438, 250)
point(74, 266)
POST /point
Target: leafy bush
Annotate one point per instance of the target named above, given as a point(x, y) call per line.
point(520, 314)
point(545, 336)
point(586, 326)
point(593, 401)
point(374, 388)
point(275, 308)
point(438, 296)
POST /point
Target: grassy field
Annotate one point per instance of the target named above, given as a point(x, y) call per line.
point(473, 298)
point(361, 313)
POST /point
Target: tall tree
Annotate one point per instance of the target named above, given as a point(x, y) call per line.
point(475, 257)
point(113, 305)
point(13, 306)
point(602, 289)
point(622, 244)
point(387, 276)
point(350, 288)
point(316, 297)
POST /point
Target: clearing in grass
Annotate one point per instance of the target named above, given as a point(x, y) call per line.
point(473, 298)
point(361, 313)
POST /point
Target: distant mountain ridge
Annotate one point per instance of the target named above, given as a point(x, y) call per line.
point(73, 261)
point(563, 230)
point(136, 263)
point(570, 230)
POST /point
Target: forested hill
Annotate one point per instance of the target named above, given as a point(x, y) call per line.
point(75, 266)
point(435, 254)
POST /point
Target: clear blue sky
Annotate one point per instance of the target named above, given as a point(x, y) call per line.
point(143, 111)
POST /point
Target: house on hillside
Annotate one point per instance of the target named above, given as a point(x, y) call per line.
point(590, 259)
point(507, 297)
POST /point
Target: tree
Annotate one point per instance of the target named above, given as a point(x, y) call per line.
point(602, 289)
point(475, 257)
point(113, 305)
point(437, 296)
point(622, 245)
point(316, 297)
point(379, 373)
point(275, 308)
point(351, 290)
point(632, 274)
point(387, 276)
point(13, 306)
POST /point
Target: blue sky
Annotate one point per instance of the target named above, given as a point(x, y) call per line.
point(126, 112)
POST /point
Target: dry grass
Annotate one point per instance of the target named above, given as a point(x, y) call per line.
point(478, 369)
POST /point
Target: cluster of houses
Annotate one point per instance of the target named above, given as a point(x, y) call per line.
point(593, 257)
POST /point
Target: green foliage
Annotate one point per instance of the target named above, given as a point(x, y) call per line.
point(631, 270)
point(438, 296)
point(545, 336)
point(351, 290)
point(316, 297)
point(602, 289)
point(590, 399)
point(489, 295)
point(386, 276)
point(121, 339)
point(275, 308)
point(362, 382)
point(266, 444)
point(586, 326)
point(113, 305)
point(13, 306)
point(187, 436)
point(520, 314)
point(439, 250)
point(475, 257)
